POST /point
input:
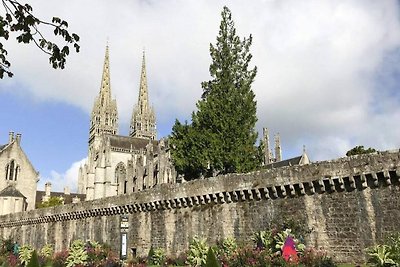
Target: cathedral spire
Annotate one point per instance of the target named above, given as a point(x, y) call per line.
point(143, 123)
point(105, 88)
point(104, 114)
point(143, 100)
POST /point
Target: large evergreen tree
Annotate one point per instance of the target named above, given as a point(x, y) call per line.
point(222, 136)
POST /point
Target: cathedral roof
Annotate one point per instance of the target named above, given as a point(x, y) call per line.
point(300, 160)
point(126, 142)
point(11, 191)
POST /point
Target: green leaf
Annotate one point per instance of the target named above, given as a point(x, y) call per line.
point(212, 259)
point(34, 261)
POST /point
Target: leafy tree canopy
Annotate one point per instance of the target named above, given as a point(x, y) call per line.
point(19, 19)
point(52, 202)
point(360, 150)
point(222, 136)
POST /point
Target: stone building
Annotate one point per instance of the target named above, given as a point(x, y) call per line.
point(119, 164)
point(18, 178)
point(274, 160)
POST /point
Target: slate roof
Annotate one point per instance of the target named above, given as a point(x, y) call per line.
point(284, 163)
point(126, 142)
point(11, 191)
point(2, 146)
point(67, 198)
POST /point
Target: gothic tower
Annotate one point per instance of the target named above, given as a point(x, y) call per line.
point(104, 114)
point(278, 149)
point(267, 152)
point(143, 123)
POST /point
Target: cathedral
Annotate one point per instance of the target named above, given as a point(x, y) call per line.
point(119, 164)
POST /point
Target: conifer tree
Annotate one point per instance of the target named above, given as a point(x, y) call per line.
point(222, 136)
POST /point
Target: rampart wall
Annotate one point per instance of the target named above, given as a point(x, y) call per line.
point(348, 204)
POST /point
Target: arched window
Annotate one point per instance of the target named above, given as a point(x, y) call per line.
point(12, 171)
point(120, 172)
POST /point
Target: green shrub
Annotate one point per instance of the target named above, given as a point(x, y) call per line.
point(25, 254)
point(380, 255)
point(158, 256)
point(47, 251)
point(197, 254)
point(227, 247)
point(51, 202)
point(248, 256)
point(262, 239)
point(77, 254)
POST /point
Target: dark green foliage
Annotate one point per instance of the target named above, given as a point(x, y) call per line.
point(34, 261)
point(222, 136)
point(19, 18)
point(150, 256)
point(358, 150)
point(298, 227)
point(188, 150)
point(6, 246)
point(212, 259)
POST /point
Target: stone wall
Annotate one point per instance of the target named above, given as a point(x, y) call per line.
point(348, 204)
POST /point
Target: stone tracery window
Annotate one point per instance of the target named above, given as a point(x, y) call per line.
point(12, 171)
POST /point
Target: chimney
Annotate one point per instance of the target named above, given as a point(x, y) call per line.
point(67, 191)
point(47, 188)
point(10, 137)
point(18, 138)
point(76, 200)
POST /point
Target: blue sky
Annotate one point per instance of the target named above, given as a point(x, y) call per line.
point(328, 73)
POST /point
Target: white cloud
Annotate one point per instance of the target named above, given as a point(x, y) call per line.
point(320, 64)
point(60, 180)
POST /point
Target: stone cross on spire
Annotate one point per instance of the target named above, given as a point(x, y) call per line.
point(143, 123)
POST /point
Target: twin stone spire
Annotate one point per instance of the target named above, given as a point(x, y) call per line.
point(104, 117)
